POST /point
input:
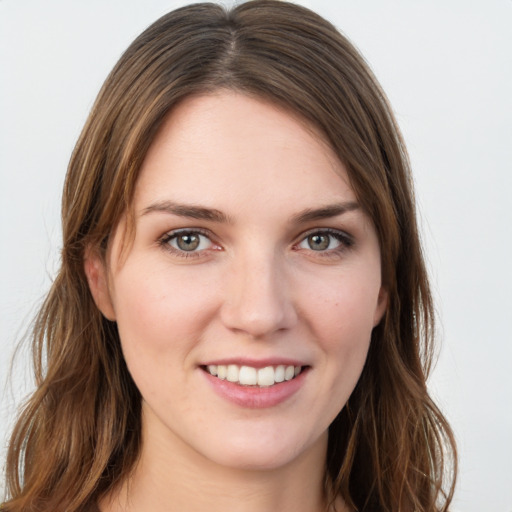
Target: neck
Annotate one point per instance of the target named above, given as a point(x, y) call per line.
point(172, 477)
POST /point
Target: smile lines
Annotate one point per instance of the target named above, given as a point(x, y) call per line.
point(249, 376)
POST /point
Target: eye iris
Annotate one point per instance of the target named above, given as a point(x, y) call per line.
point(188, 242)
point(318, 242)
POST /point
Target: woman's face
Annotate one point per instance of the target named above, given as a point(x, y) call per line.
point(246, 302)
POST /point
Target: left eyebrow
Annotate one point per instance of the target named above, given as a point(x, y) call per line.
point(324, 212)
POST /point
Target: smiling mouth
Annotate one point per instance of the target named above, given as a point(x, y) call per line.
point(258, 377)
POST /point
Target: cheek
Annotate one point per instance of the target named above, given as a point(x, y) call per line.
point(159, 314)
point(160, 320)
point(341, 316)
point(343, 307)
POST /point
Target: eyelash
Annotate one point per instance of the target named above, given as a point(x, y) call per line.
point(345, 242)
point(164, 242)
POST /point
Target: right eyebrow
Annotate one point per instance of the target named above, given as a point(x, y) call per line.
point(187, 210)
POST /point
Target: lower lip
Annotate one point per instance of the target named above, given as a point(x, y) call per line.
point(254, 397)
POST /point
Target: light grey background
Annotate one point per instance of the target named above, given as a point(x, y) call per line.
point(447, 69)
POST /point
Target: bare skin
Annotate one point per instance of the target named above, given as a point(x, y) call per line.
point(186, 481)
point(250, 251)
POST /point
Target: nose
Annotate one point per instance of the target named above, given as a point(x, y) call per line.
point(258, 301)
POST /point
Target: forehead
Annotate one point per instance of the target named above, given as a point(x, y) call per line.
point(233, 149)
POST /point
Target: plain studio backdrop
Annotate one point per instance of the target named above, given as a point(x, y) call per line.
point(447, 69)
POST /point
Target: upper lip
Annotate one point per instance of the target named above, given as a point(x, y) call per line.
point(256, 363)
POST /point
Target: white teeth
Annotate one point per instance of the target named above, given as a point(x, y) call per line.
point(222, 371)
point(249, 376)
point(233, 373)
point(266, 376)
point(289, 373)
point(279, 373)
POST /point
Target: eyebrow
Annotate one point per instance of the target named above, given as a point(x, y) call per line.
point(189, 211)
point(212, 214)
point(324, 212)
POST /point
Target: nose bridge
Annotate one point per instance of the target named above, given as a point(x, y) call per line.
point(258, 300)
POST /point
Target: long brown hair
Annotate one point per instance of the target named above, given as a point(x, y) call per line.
point(78, 436)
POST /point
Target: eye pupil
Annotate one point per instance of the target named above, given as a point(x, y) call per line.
point(188, 242)
point(318, 242)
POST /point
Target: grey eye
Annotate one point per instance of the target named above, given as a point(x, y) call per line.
point(189, 242)
point(319, 242)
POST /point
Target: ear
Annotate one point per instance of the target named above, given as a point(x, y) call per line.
point(97, 277)
point(382, 304)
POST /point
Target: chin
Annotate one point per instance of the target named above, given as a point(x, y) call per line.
point(265, 453)
point(255, 460)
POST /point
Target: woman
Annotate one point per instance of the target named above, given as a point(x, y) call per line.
point(242, 319)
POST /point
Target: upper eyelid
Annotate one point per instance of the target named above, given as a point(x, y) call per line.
point(175, 232)
point(166, 238)
point(344, 235)
point(164, 242)
point(328, 230)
